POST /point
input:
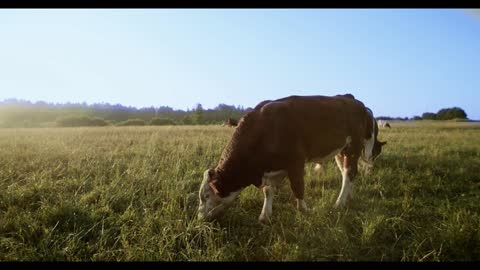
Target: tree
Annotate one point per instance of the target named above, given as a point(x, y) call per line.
point(451, 113)
point(429, 116)
point(198, 115)
point(187, 120)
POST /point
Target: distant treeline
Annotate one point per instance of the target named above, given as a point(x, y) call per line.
point(443, 114)
point(21, 113)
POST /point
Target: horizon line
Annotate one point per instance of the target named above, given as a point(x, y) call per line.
point(6, 100)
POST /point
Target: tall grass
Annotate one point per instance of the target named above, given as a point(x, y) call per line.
point(130, 194)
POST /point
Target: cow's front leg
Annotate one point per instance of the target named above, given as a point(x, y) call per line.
point(349, 172)
point(339, 161)
point(267, 204)
point(302, 206)
point(298, 186)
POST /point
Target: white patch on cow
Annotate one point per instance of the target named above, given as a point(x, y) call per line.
point(208, 199)
point(338, 159)
point(346, 190)
point(368, 144)
point(273, 178)
point(267, 204)
point(212, 205)
point(270, 180)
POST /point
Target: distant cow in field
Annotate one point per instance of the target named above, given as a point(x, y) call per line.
point(383, 123)
point(278, 137)
point(230, 122)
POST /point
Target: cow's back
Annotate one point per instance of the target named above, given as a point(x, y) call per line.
point(316, 125)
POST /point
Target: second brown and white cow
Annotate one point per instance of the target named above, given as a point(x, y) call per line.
point(278, 137)
point(230, 122)
point(384, 123)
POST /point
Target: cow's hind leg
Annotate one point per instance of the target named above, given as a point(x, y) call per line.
point(272, 181)
point(349, 172)
point(296, 174)
point(267, 204)
point(339, 160)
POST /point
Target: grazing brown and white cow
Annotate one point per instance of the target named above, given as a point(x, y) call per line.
point(278, 137)
point(384, 123)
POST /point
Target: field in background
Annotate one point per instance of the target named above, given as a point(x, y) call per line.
point(130, 193)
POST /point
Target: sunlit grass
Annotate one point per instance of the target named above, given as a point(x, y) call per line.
point(130, 193)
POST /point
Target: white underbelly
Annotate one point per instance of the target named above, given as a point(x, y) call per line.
point(273, 178)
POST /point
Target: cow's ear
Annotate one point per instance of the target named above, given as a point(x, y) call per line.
point(383, 143)
point(214, 185)
point(211, 174)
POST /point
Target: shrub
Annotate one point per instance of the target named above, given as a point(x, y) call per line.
point(80, 121)
point(187, 120)
point(158, 121)
point(132, 122)
point(98, 122)
point(460, 120)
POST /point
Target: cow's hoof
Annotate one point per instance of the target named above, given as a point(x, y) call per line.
point(338, 205)
point(302, 206)
point(264, 219)
point(305, 210)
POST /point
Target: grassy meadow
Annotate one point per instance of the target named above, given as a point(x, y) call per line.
point(131, 194)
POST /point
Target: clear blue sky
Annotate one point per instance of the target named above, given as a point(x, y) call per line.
point(398, 62)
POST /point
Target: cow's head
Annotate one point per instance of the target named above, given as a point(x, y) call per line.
point(213, 201)
point(368, 159)
point(377, 149)
point(377, 146)
point(373, 147)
